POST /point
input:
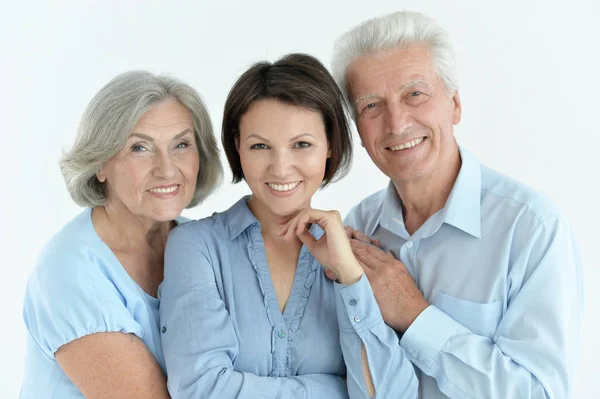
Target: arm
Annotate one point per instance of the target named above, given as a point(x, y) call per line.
point(534, 349)
point(200, 344)
point(75, 313)
point(366, 338)
point(114, 364)
point(375, 361)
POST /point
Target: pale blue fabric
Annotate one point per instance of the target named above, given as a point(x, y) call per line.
point(501, 268)
point(224, 335)
point(77, 288)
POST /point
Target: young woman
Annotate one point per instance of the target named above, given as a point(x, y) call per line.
point(246, 311)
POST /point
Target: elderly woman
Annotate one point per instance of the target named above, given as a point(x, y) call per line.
point(246, 311)
point(145, 151)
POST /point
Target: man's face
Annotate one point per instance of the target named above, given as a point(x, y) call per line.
point(403, 112)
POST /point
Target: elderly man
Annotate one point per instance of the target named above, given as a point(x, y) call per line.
point(479, 274)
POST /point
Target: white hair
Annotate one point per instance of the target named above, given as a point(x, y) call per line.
point(108, 120)
point(398, 29)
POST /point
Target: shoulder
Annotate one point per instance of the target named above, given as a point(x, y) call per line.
point(516, 199)
point(68, 255)
point(210, 228)
point(367, 211)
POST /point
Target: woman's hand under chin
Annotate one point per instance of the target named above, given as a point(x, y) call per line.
point(333, 249)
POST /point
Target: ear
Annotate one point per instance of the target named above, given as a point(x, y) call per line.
point(456, 113)
point(101, 176)
point(237, 143)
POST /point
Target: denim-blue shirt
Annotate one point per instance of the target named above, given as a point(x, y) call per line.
point(224, 335)
point(502, 271)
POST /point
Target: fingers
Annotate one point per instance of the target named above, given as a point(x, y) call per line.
point(368, 254)
point(330, 274)
point(358, 235)
point(327, 220)
point(307, 239)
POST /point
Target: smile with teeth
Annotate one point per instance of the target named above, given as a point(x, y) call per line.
point(410, 144)
point(164, 190)
point(283, 187)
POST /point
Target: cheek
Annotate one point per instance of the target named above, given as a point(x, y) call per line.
point(190, 165)
point(314, 164)
point(132, 173)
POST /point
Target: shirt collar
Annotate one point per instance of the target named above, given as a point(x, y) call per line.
point(239, 217)
point(462, 209)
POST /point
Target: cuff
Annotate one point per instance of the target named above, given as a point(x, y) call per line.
point(324, 386)
point(356, 307)
point(427, 335)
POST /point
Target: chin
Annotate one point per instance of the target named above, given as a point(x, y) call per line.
point(165, 215)
point(290, 208)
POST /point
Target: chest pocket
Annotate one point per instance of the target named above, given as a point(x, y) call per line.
point(481, 318)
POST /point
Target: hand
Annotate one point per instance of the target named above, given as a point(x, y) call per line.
point(358, 235)
point(397, 295)
point(333, 249)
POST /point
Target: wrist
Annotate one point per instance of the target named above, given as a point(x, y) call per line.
point(350, 274)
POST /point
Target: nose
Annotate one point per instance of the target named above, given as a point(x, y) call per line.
point(282, 163)
point(165, 167)
point(397, 118)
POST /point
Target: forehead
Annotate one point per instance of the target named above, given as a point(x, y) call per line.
point(279, 119)
point(390, 69)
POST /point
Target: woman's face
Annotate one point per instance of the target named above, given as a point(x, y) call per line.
point(154, 175)
point(283, 151)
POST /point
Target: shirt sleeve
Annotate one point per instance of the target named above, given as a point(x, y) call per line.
point(360, 322)
point(68, 297)
point(534, 350)
point(199, 342)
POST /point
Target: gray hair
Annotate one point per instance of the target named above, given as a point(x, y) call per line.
point(398, 29)
point(109, 119)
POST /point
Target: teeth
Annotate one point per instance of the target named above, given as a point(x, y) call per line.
point(410, 144)
point(283, 187)
point(165, 190)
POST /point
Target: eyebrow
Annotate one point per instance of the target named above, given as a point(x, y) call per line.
point(256, 136)
point(400, 88)
point(149, 138)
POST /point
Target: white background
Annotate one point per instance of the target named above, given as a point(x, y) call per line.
point(529, 83)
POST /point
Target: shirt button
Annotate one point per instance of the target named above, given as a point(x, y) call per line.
point(281, 334)
point(163, 329)
point(357, 319)
point(353, 302)
point(409, 244)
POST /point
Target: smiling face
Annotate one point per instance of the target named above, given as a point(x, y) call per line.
point(154, 175)
point(403, 112)
point(283, 151)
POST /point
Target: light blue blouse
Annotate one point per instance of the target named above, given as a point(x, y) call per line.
point(78, 287)
point(224, 336)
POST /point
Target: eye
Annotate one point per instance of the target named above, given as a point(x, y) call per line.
point(138, 148)
point(302, 144)
point(258, 146)
point(414, 93)
point(183, 144)
point(371, 106)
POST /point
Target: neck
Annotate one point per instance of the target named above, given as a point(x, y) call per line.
point(130, 232)
point(423, 197)
point(270, 222)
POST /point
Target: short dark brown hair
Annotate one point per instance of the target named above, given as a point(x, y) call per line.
point(296, 79)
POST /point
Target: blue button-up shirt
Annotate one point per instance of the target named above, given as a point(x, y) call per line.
point(224, 336)
point(501, 270)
